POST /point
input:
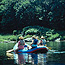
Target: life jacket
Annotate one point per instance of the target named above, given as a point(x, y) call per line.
point(35, 41)
point(43, 41)
point(21, 42)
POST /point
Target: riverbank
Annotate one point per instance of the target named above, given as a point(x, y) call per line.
point(8, 42)
point(28, 38)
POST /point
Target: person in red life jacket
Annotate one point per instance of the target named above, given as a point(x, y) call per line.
point(42, 41)
point(21, 44)
point(34, 42)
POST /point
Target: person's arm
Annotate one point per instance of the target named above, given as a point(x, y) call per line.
point(45, 41)
point(24, 42)
point(32, 42)
point(40, 42)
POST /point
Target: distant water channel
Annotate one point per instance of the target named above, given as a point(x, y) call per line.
point(56, 56)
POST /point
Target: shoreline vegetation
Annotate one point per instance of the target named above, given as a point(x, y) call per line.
point(18, 14)
point(28, 32)
point(27, 18)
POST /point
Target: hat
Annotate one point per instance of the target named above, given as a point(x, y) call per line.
point(21, 37)
point(42, 37)
point(33, 36)
point(37, 37)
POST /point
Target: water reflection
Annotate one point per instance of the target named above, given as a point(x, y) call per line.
point(30, 58)
point(34, 58)
point(39, 59)
point(54, 57)
point(60, 46)
point(42, 59)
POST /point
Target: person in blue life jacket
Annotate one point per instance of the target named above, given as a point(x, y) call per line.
point(34, 42)
point(37, 37)
point(42, 41)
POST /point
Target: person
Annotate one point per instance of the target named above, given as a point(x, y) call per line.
point(37, 37)
point(42, 41)
point(34, 42)
point(21, 44)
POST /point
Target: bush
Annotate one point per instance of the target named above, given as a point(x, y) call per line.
point(31, 31)
point(15, 32)
point(53, 37)
point(8, 37)
point(38, 30)
point(63, 37)
point(27, 36)
point(13, 39)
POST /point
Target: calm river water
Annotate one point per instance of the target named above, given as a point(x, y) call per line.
point(56, 56)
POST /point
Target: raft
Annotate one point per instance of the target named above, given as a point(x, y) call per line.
point(38, 49)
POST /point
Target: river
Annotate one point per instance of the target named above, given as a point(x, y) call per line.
point(56, 55)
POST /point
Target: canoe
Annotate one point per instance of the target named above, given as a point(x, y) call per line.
point(38, 49)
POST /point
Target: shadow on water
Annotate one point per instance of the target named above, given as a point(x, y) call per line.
point(3, 58)
point(54, 57)
point(38, 59)
point(30, 59)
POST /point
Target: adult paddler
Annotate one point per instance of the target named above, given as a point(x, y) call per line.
point(34, 42)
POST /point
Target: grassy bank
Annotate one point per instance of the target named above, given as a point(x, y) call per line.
point(27, 32)
point(4, 38)
point(8, 38)
point(14, 38)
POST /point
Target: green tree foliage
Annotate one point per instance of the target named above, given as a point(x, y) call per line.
point(16, 14)
point(15, 32)
point(31, 31)
point(34, 30)
point(53, 37)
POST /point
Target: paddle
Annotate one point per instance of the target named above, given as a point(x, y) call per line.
point(48, 47)
point(9, 51)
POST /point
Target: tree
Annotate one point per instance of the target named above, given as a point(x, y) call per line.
point(18, 14)
point(8, 19)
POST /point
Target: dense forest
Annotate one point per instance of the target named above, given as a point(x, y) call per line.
point(17, 14)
